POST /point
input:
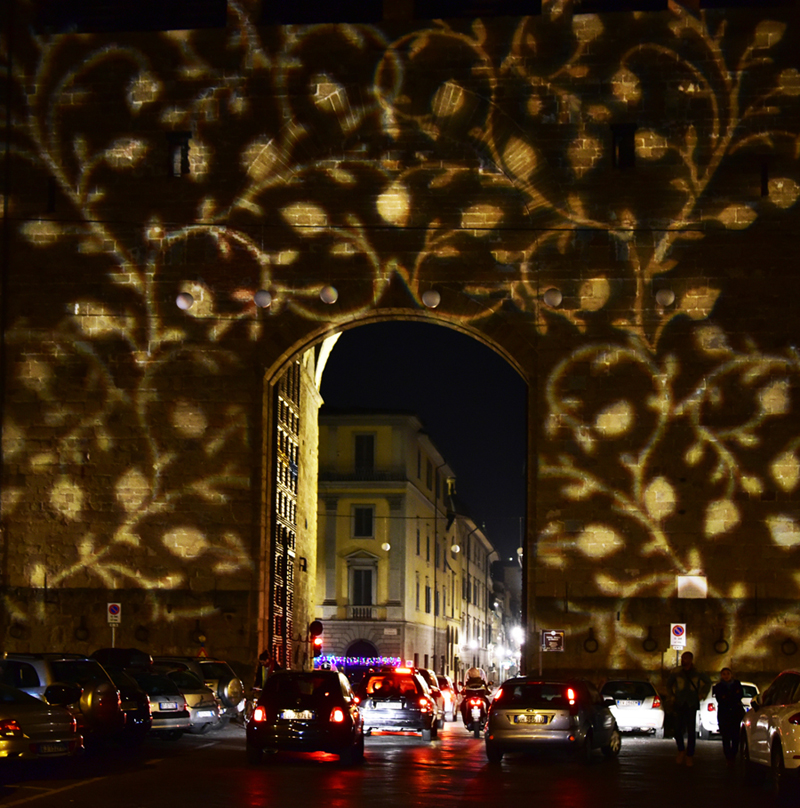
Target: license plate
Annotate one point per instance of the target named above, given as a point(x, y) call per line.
point(167, 705)
point(301, 715)
point(52, 748)
point(205, 714)
point(476, 713)
point(629, 703)
point(530, 719)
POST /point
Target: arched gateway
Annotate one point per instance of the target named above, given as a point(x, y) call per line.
point(622, 234)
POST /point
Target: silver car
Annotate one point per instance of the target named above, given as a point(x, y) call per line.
point(530, 714)
point(205, 712)
point(637, 706)
point(30, 728)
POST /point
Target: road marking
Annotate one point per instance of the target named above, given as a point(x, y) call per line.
point(54, 791)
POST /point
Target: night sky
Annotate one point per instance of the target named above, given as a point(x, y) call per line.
point(470, 400)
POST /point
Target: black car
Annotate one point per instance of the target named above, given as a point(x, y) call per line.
point(135, 706)
point(398, 700)
point(306, 711)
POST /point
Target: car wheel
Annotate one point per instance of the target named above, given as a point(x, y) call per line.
point(658, 733)
point(426, 734)
point(778, 781)
point(611, 749)
point(255, 754)
point(752, 772)
point(493, 753)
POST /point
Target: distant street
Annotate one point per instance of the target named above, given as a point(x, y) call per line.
point(210, 771)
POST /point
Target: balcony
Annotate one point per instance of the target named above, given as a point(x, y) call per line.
point(395, 474)
point(362, 612)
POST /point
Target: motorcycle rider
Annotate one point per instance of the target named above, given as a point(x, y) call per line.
point(475, 685)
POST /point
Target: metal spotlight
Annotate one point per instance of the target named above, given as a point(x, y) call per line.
point(329, 294)
point(553, 297)
point(262, 298)
point(665, 297)
point(184, 301)
point(431, 298)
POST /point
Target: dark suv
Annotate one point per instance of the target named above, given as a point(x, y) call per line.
point(98, 711)
point(398, 700)
point(306, 711)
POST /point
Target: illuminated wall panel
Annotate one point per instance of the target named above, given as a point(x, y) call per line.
point(609, 200)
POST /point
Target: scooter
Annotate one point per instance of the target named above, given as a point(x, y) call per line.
point(474, 713)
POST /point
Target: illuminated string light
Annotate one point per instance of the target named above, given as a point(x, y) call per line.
point(363, 662)
point(386, 546)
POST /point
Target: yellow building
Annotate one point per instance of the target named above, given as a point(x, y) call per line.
point(390, 575)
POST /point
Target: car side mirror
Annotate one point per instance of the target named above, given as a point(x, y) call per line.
point(755, 704)
point(61, 694)
point(609, 702)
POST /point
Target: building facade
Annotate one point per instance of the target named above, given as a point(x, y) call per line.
point(393, 581)
point(608, 199)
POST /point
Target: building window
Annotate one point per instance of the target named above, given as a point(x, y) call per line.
point(361, 587)
point(363, 521)
point(427, 599)
point(429, 476)
point(437, 554)
point(417, 541)
point(436, 603)
point(417, 595)
point(623, 145)
point(365, 454)
point(427, 548)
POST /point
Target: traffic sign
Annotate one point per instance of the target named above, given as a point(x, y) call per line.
point(114, 612)
point(677, 635)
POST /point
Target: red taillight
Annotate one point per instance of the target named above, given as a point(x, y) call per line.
point(9, 728)
point(259, 715)
point(497, 694)
point(337, 715)
point(656, 702)
point(476, 702)
point(425, 705)
point(402, 670)
point(357, 699)
point(711, 707)
point(571, 695)
point(795, 719)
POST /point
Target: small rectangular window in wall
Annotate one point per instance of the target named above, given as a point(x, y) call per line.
point(178, 143)
point(365, 454)
point(363, 521)
point(623, 145)
point(361, 594)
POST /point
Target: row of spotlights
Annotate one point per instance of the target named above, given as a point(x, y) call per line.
point(553, 297)
point(328, 294)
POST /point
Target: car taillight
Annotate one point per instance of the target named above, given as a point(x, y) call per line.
point(9, 728)
point(656, 702)
point(476, 702)
point(357, 699)
point(259, 714)
point(570, 695)
point(425, 705)
point(337, 715)
point(711, 707)
point(795, 719)
point(497, 694)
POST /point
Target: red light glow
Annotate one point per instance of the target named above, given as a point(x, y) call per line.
point(259, 715)
point(337, 715)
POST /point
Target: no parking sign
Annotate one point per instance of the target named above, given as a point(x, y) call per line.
point(677, 635)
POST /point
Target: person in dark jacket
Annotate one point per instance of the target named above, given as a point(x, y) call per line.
point(729, 693)
point(688, 687)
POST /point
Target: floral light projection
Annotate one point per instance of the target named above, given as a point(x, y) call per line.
point(472, 157)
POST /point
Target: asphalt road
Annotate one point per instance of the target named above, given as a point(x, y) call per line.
point(210, 771)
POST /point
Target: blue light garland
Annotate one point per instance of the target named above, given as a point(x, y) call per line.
point(361, 662)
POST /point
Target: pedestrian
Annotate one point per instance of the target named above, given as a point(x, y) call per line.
point(688, 687)
point(267, 665)
point(729, 693)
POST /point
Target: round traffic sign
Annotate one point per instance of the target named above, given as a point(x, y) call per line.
point(678, 631)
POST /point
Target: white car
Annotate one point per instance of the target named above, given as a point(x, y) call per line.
point(707, 719)
point(637, 706)
point(770, 739)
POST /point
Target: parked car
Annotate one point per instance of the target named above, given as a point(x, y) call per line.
point(707, 718)
point(397, 700)
point(205, 711)
point(307, 711)
point(637, 706)
point(529, 714)
point(97, 710)
point(218, 676)
point(770, 735)
point(438, 697)
point(135, 705)
point(32, 729)
point(450, 697)
point(170, 716)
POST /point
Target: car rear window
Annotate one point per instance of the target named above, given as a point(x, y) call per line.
point(294, 686)
point(156, 684)
point(535, 695)
point(79, 671)
point(628, 690)
point(10, 695)
point(216, 670)
point(186, 681)
point(391, 685)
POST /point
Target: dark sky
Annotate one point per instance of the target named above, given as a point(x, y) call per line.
point(470, 400)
